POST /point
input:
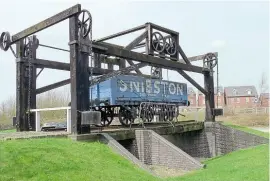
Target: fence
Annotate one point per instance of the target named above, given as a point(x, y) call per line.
point(254, 110)
point(227, 110)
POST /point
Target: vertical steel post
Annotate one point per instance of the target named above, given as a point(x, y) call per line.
point(209, 97)
point(21, 90)
point(74, 59)
point(79, 62)
point(33, 69)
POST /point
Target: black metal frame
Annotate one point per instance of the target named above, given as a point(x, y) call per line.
point(79, 70)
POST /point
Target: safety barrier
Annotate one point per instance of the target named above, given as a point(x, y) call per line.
point(37, 116)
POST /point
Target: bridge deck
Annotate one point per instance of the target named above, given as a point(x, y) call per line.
point(118, 132)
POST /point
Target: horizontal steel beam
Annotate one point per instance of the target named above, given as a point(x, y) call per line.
point(67, 81)
point(196, 58)
point(52, 86)
point(40, 63)
point(150, 60)
point(163, 29)
point(121, 33)
point(47, 23)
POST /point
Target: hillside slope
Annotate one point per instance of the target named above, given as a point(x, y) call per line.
point(62, 159)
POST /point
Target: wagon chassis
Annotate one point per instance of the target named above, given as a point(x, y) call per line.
point(161, 50)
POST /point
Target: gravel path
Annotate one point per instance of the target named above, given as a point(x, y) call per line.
point(263, 129)
point(31, 134)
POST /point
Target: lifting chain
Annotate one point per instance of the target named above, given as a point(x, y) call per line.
point(29, 53)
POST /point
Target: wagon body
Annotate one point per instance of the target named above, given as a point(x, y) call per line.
point(132, 90)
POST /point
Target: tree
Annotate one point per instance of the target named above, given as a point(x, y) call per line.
point(263, 85)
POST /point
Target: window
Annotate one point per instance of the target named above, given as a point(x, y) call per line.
point(247, 99)
point(248, 92)
point(219, 93)
point(238, 100)
point(234, 91)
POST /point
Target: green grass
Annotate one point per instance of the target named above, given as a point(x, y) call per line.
point(243, 165)
point(8, 131)
point(249, 130)
point(63, 159)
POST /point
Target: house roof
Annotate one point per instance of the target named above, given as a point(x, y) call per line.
point(220, 89)
point(265, 95)
point(190, 90)
point(240, 91)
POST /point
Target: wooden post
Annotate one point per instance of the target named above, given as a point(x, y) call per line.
point(21, 90)
point(33, 85)
point(209, 97)
point(79, 62)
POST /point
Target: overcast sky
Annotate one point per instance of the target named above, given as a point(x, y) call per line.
point(238, 31)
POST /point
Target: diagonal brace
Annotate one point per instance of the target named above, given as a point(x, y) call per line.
point(193, 82)
point(134, 43)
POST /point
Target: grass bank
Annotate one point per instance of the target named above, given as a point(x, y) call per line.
point(63, 159)
point(243, 165)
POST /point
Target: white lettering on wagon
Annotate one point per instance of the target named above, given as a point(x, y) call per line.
point(152, 87)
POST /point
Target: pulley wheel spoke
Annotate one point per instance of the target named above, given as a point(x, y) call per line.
point(85, 25)
point(158, 42)
point(5, 41)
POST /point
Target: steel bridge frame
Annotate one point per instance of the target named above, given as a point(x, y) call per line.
point(79, 66)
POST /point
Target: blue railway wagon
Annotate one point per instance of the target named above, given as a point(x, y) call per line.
point(131, 90)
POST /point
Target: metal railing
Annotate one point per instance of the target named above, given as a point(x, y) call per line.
point(37, 116)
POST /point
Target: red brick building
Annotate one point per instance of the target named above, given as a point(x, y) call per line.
point(240, 96)
point(192, 97)
point(201, 99)
point(219, 98)
point(264, 100)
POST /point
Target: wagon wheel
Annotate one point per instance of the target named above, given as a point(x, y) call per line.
point(162, 114)
point(106, 116)
point(158, 42)
point(170, 45)
point(5, 41)
point(85, 22)
point(125, 117)
point(171, 114)
point(150, 114)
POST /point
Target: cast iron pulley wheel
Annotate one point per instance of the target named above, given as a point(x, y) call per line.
point(170, 45)
point(106, 116)
point(210, 60)
point(5, 41)
point(125, 117)
point(158, 42)
point(85, 22)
